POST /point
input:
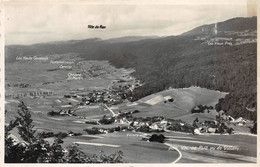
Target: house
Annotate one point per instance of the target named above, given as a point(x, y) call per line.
point(230, 118)
point(240, 121)
point(154, 126)
point(203, 129)
point(197, 131)
point(63, 112)
point(136, 123)
point(163, 122)
point(182, 124)
point(169, 98)
point(211, 130)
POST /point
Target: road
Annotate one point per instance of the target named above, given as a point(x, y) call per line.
point(171, 147)
point(109, 110)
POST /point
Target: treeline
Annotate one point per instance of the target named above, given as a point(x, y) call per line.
point(237, 75)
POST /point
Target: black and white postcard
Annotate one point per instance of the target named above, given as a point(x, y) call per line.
point(90, 83)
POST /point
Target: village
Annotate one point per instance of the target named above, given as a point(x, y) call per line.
point(222, 125)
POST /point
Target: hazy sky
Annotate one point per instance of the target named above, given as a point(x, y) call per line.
point(34, 23)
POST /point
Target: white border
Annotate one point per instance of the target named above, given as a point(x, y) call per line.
point(125, 2)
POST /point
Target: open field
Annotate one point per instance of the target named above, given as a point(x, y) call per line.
point(184, 100)
point(135, 150)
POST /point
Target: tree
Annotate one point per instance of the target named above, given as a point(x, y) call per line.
point(25, 128)
point(157, 138)
point(33, 148)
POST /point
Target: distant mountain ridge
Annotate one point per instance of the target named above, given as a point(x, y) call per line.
point(130, 38)
point(235, 24)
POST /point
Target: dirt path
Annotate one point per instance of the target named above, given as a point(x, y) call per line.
point(109, 110)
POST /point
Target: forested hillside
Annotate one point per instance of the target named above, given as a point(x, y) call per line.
point(181, 62)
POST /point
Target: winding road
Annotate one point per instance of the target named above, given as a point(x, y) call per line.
point(175, 148)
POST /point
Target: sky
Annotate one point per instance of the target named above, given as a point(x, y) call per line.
point(29, 23)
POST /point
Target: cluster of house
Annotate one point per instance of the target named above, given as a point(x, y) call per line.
point(92, 71)
point(156, 123)
point(222, 128)
point(220, 125)
point(155, 126)
point(111, 97)
point(222, 117)
point(205, 127)
point(106, 96)
point(239, 121)
point(62, 112)
point(147, 125)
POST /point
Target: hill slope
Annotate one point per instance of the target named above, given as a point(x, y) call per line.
point(235, 24)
